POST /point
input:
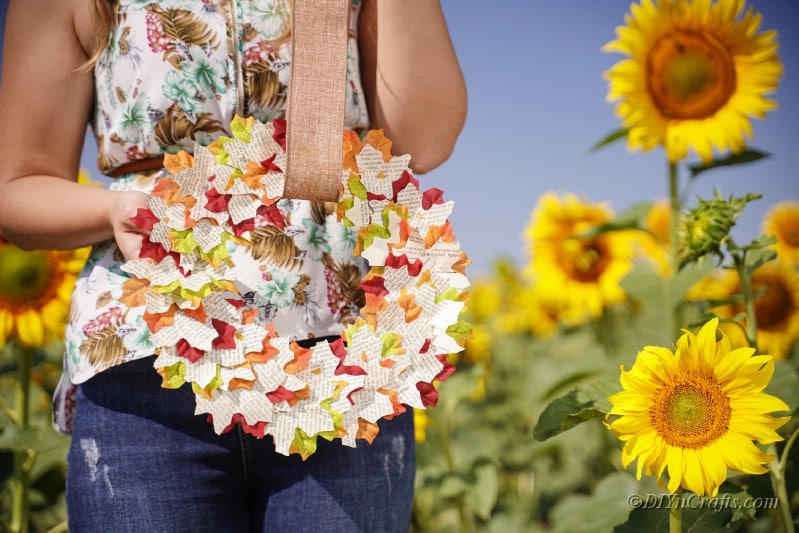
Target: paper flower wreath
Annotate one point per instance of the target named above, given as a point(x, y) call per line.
point(197, 264)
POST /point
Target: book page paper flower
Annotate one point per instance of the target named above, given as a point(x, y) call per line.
point(198, 264)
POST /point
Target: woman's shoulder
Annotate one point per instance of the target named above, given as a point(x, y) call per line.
point(91, 20)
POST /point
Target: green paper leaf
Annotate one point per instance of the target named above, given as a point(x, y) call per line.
point(241, 129)
point(357, 188)
point(392, 344)
point(460, 331)
point(453, 294)
point(221, 155)
point(182, 240)
point(372, 231)
point(303, 444)
point(174, 376)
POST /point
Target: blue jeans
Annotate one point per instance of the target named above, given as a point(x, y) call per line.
point(141, 461)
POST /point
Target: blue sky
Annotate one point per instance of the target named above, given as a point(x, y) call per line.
point(537, 103)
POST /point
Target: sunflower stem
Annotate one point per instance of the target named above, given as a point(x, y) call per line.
point(23, 460)
point(442, 431)
point(787, 450)
point(777, 473)
point(675, 513)
point(748, 298)
point(676, 214)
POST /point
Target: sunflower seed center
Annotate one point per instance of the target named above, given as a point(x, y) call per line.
point(774, 303)
point(690, 75)
point(691, 411)
point(584, 260)
point(25, 277)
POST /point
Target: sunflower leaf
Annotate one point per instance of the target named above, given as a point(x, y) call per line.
point(784, 384)
point(758, 257)
point(633, 218)
point(25, 439)
point(747, 156)
point(481, 494)
point(607, 505)
point(584, 403)
point(610, 138)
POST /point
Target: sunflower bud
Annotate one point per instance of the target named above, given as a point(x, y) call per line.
point(707, 226)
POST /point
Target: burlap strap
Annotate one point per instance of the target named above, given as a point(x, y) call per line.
point(315, 112)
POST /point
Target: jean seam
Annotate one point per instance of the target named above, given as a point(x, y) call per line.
point(245, 454)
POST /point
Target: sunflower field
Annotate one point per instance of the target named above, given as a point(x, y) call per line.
point(552, 422)
point(638, 372)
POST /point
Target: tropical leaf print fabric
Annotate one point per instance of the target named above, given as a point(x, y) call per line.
point(176, 71)
point(173, 76)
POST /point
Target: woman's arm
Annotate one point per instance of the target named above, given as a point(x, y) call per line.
point(414, 86)
point(45, 100)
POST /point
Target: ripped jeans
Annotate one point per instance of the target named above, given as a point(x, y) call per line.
point(141, 460)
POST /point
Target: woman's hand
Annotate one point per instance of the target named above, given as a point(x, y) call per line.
point(125, 206)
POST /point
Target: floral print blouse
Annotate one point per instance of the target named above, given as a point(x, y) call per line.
point(174, 74)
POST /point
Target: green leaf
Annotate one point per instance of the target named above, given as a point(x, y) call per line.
point(610, 138)
point(26, 439)
point(606, 507)
point(755, 258)
point(569, 381)
point(482, 494)
point(632, 218)
point(688, 276)
point(747, 156)
point(584, 403)
point(785, 384)
point(644, 520)
point(457, 389)
point(452, 485)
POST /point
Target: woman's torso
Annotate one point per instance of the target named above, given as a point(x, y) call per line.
point(174, 74)
point(176, 71)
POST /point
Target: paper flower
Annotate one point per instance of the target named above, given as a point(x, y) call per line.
point(207, 221)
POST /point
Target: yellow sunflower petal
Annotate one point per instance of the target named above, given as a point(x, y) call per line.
point(696, 413)
point(30, 329)
point(696, 74)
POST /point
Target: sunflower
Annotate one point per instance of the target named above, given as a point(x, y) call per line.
point(655, 241)
point(697, 411)
point(697, 72)
point(576, 269)
point(776, 289)
point(782, 221)
point(420, 425)
point(35, 288)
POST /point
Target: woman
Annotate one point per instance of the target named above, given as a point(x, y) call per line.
point(155, 77)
